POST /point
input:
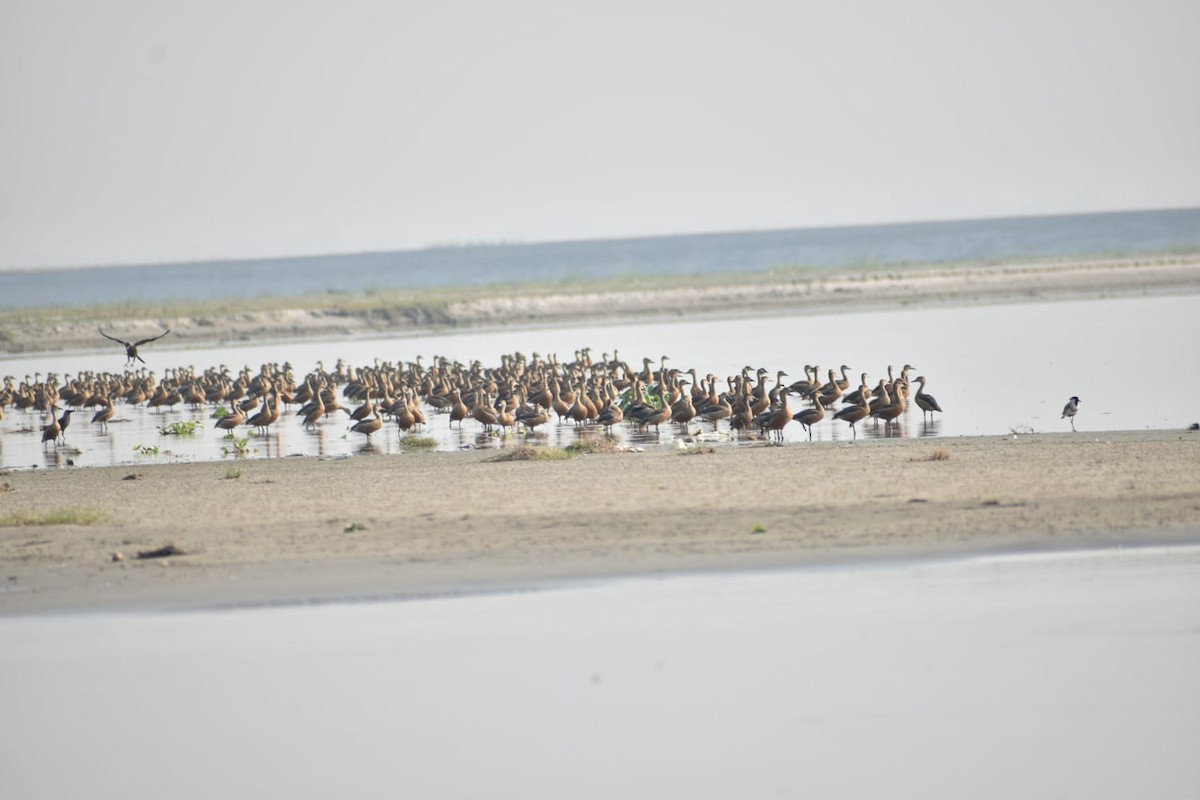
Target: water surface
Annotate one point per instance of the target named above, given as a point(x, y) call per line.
point(994, 369)
point(1070, 675)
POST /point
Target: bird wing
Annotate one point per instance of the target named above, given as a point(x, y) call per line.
point(115, 339)
point(152, 338)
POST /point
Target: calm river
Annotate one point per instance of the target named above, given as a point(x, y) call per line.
point(1068, 675)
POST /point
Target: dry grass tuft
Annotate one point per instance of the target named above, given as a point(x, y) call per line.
point(530, 453)
point(589, 446)
point(937, 455)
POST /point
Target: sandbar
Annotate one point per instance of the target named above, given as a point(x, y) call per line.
point(302, 530)
point(783, 291)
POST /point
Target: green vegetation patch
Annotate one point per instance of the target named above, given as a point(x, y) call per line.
point(240, 447)
point(183, 428)
point(651, 394)
point(58, 516)
point(528, 452)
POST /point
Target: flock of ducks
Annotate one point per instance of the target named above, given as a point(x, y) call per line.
point(519, 393)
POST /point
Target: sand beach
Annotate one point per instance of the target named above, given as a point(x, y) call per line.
point(306, 529)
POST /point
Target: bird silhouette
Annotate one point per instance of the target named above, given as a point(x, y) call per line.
point(131, 348)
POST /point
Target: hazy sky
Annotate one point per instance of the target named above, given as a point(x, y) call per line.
point(152, 131)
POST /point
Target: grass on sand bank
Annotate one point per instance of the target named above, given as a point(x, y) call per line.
point(430, 306)
point(59, 516)
point(427, 305)
point(393, 310)
point(528, 452)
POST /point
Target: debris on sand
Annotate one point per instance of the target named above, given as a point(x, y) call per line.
point(163, 552)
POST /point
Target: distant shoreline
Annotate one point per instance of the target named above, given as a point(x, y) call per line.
point(378, 314)
point(1144, 231)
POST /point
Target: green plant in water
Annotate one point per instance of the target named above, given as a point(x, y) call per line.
point(653, 395)
point(183, 428)
point(240, 449)
point(420, 442)
point(146, 449)
point(232, 474)
point(758, 528)
point(221, 412)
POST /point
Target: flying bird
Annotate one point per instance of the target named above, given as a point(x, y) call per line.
point(131, 348)
point(1070, 409)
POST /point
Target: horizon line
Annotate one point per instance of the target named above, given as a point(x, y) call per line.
point(501, 243)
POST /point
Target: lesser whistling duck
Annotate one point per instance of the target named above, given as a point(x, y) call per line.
point(368, 426)
point(533, 418)
point(231, 420)
point(811, 416)
point(104, 414)
point(53, 431)
point(857, 412)
point(683, 411)
point(780, 416)
point(890, 412)
point(610, 415)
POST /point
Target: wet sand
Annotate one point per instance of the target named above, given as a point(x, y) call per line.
point(304, 529)
point(770, 292)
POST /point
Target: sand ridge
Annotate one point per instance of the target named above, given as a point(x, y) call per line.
point(761, 293)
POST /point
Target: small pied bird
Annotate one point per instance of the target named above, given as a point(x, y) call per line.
point(1070, 410)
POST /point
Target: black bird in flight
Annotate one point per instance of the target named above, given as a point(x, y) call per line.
point(131, 348)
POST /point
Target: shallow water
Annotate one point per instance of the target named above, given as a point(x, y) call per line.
point(992, 368)
point(1068, 675)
